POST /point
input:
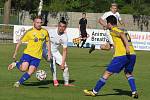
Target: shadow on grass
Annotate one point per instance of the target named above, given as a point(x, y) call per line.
point(100, 65)
point(44, 82)
point(118, 92)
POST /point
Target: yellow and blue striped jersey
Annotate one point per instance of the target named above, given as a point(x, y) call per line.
point(118, 43)
point(35, 39)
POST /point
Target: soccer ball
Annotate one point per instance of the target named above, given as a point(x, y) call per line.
point(41, 75)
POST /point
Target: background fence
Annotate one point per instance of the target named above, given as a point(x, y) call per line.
point(132, 22)
point(6, 33)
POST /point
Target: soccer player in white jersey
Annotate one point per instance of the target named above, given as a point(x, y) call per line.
point(102, 20)
point(113, 11)
point(59, 37)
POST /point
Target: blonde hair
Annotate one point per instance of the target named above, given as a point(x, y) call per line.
point(114, 4)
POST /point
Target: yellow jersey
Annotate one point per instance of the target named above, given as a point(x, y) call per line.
point(35, 39)
point(118, 43)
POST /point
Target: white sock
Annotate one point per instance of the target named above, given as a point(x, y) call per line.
point(66, 76)
point(53, 69)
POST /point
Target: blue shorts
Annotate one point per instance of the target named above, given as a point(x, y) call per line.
point(31, 60)
point(126, 62)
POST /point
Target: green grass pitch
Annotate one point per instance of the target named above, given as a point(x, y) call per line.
point(85, 70)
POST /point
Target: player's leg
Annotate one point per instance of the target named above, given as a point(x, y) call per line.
point(84, 37)
point(52, 65)
point(34, 63)
point(100, 83)
point(65, 71)
point(22, 65)
point(78, 45)
point(129, 75)
point(132, 84)
point(26, 75)
point(83, 42)
point(92, 48)
point(53, 70)
point(115, 66)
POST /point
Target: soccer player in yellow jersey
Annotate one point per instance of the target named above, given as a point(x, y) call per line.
point(124, 58)
point(30, 59)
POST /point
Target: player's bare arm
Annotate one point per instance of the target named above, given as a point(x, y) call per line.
point(64, 55)
point(49, 50)
point(16, 50)
point(102, 22)
point(125, 41)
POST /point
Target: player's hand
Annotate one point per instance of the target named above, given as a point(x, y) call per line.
point(105, 27)
point(62, 66)
point(127, 50)
point(105, 46)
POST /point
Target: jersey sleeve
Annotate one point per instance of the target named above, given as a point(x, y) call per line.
point(119, 17)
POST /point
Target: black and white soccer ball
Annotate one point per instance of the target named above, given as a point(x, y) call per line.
point(41, 75)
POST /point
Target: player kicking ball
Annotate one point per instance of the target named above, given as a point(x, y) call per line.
point(124, 58)
point(30, 59)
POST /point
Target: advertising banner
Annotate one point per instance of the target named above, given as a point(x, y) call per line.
point(140, 40)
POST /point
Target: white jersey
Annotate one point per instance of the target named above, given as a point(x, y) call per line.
point(106, 14)
point(57, 40)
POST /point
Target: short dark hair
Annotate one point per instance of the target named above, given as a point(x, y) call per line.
point(83, 13)
point(112, 20)
point(62, 21)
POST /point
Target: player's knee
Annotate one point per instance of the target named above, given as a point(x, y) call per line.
point(23, 68)
point(107, 74)
point(66, 69)
point(31, 70)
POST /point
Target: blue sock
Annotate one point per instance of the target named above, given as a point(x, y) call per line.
point(99, 85)
point(24, 77)
point(132, 83)
point(18, 64)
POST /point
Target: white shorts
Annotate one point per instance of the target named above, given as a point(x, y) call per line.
point(57, 57)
